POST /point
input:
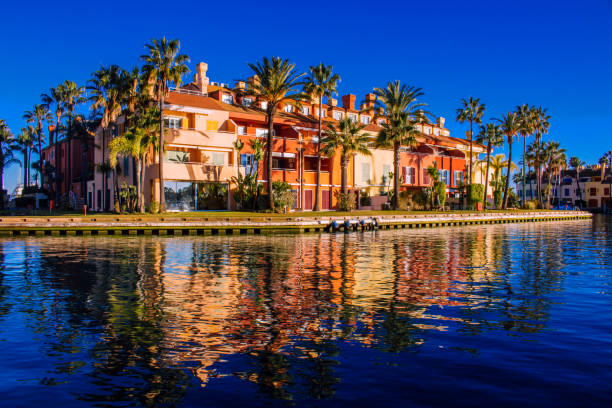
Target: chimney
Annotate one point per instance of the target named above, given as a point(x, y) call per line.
point(363, 106)
point(441, 121)
point(348, 101)
point(200, 78)
point(332, 102)
point(603, 171)
point(370, 99)
point(240, 86)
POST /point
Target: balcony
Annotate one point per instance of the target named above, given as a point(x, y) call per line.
point(197, 171)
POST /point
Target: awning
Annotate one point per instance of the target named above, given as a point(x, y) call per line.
point(283, 154)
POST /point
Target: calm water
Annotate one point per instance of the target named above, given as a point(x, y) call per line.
point(502, 315)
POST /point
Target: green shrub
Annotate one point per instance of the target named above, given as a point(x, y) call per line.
point(364, 199)
point(497, 198)
point(283, 196)
point(531, 205)
point(474, 193)
point(346, 201)
point(440, 193)
point(153, 207)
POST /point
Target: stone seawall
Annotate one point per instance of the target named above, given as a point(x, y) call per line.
point(176, 225)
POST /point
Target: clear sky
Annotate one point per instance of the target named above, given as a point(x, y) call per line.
point(557, 54)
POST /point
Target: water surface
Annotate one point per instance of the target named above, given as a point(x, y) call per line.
point(485, 315)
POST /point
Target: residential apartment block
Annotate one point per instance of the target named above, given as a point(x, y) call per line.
point(204, 119)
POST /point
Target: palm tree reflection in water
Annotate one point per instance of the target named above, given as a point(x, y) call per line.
point(144, 319)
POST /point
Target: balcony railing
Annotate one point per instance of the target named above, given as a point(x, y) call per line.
point(188, 92)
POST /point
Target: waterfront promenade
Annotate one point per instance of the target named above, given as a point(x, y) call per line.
point(260, 223)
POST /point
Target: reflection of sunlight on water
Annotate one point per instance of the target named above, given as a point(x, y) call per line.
point(206, 299)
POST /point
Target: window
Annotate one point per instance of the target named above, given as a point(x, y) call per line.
point(217, 159)
point(310, 163)
point(338, 115)
point(176, 156)
point(227, 98)
point(259, 132)
point(426, 179)
point(567, 192)
point(126, 166)
point(409, 175)
point(606, 191)
point(288, 108)
point(458, 178)
point(592, 191)
point(365, 119)
point(381, 122)
point(264, 105)
point(212, 125)
point(365, 172)
point(283, 163)
point(428, 131)
point(352, 116)
point(306, 110)
point(443, 176)
point(247, 102)
point(248, 162)
point(323, 112)
point(385, 175)
point(437, 132)
point(172, 122)
point(242, 130)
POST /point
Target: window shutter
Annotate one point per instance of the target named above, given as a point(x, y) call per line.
point(412, 175)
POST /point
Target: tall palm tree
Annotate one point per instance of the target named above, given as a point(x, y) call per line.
point(471, 111)
point(510, 125)
point(399, 130)
point(137, 142)
point(348, 136)
point(491, 136)
point(541, 124)
point(56, 97)
point(526, 117)
point(163, 66)
point(104, 94)
point(399, 103)
point(7, 141)
point(555, 162)
point(73, 95)
point(276, 82)
point(134, 91)
point(25, 141)
point(38, 115)
point(320, 83)
point(576, 164)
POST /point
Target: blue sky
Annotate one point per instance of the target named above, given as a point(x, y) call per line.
point(557, 54)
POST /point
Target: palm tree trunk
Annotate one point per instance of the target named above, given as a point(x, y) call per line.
point(162, 203)
point(523, 195)
point(539, 169)
point(29, 164)
point(505, 197)
point(104, 173)
point(69, 155)
point(85, 150)
point(344, 166)
point(486, 186)
point(138, 173)
point(270, 147)
point(1, 184)
point(41, 170)
point(317, 205)
point(471, 147)
point(396, 160)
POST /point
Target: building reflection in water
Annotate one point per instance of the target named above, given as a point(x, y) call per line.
point(275, 307)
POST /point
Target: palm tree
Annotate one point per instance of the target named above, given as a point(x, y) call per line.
point(104, 93)
point(7, 141)
point(555, 162)
point(526, 117)
point(541, 125)
point(319, 84)
point(276, 82)
point(510, 125)
point(25, 141)
point(498, 164)
point(163, 66)
point(56, 96)
point(471, 111)
point(490, 135)
point(37, 115)
point(576, 164)
point(73, 95)
point(400, 105)
point(349, 138)
point(137, 142)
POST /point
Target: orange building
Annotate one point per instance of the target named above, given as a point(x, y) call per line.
point(204, 120)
